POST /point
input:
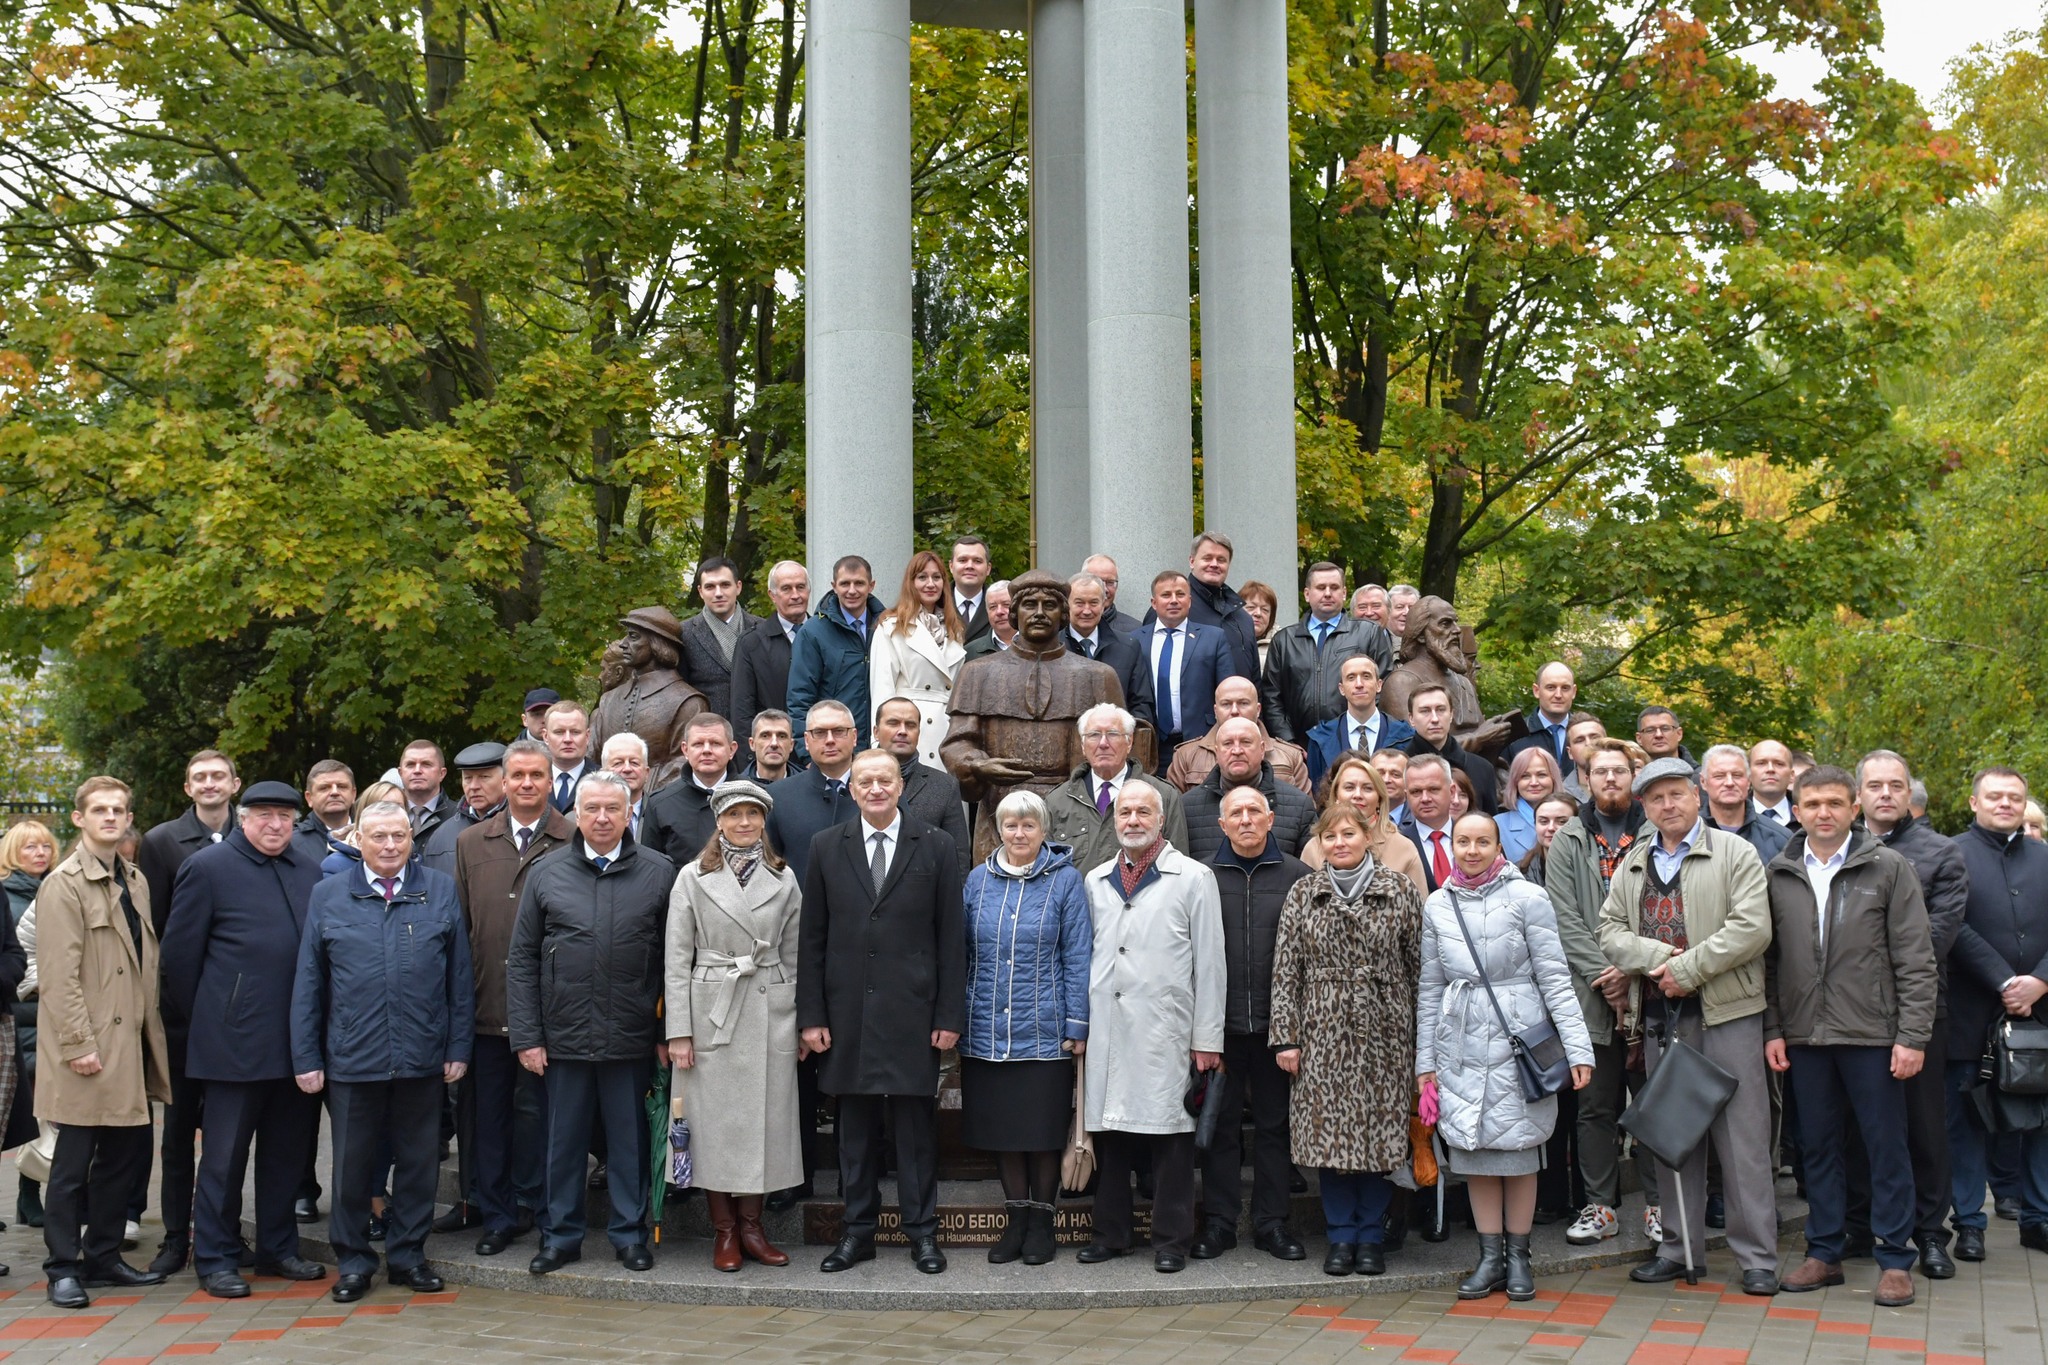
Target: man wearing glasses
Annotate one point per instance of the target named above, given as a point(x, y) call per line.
point(1660, 734)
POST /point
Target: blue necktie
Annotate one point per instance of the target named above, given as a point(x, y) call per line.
point(1322, 630)
point(1557, 738)
point(1164, 685)
point(600, 863)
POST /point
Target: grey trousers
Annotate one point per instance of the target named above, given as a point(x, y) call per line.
point(1600, 1104)
point(1742, 1138)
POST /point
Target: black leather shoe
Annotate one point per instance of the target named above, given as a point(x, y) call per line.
point(550, 1259)
point(492, 1243)
point(636, 1257)
point(294, 1268)
point(225, 1284)
point(306, 1210)
point(121, 1275)
point(1761, 1284)
point(1280, 1244)
point(1935, 1263)
point(926, 1256)
point(1169, 1262)
point(1297, 1183)
point(1095, 1253)
point(848, 1253)
point(789, 1198)
point(1372, 1259)
point(1341, 1258)
point(2008, 1209)
point(459, 1218)
point(1969, 1244)
point(523, 1224)
point(69, 1293)
point(2034, 1236)
point(1657, 1270)
point(349, 1288)
point(600, 1176)
point(376, 1232)
point(1717, 1211)
point(173, 1255)
point(245, 1255)
point(419, 1279)
point(1214, 1240)
point(1855, 1248)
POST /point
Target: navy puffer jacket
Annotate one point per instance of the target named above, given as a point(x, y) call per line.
point(1030, 941)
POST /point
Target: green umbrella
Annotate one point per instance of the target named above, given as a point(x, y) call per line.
point(658, 1146)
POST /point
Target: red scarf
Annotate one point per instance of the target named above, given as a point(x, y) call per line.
point(1134, 871)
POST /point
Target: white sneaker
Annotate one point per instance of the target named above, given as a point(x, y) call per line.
point(1653, 1224)
point(130, 1235)
point(1596, 1224)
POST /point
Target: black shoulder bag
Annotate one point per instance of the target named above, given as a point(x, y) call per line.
point(1540, 1062)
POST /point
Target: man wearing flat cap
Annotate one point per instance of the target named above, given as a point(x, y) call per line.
point(1689, 915)
point(479, 769)
point(653, 700)
point(230, 952)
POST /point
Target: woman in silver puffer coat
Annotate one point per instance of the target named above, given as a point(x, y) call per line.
point(1493, 1136)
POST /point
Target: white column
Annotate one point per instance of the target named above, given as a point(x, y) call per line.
point(1059, 287)
point(1140, 437)
point(857, 249)
point(1247, 289)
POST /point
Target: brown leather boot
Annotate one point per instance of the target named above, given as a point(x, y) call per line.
point(753, 1237)
point(725, 1243)
point(1894, 1289)
point(1810, 1274)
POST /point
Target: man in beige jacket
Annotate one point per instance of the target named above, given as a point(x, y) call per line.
point(103, 1052)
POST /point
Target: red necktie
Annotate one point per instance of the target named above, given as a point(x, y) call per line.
point(1440, 866)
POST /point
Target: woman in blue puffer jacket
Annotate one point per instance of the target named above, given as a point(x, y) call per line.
point(1029, 942)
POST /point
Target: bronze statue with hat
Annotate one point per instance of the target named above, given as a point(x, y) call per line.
point(645, 693)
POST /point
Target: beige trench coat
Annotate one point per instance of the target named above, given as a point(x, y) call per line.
point(920, 668)
point(98, 995)
point(731, 990)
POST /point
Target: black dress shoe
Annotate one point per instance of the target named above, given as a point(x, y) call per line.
point(460, 1218)
point(522, 1224)
point(173, 1254)
point(1341, 1258)
point(1169, 1262)
point(1969, 1244)
point(1858, 1248)
point(600, 1176)
point(121, 1275)
point(1214, 1240)
point(2008, 1209)
point(1761, 1284)
point(848, 1253)
point(419, 1279)
point(1297, 1183)
point(376, 1232)
point(349, 1288)
point(1935, 1263)
point(926, 1256)
point(789, 1198)
point(1280, 1244)
point(69, 1293)
point(636, 1257)
point(2034, 1236)
point(1095, 1253)
point(245, 1255)
point(550, 1259)
point(492, 1243)
point(1372, 1259)
point(1717, 1211)
point(306, 1210)
point(225, 1284)
point(294, 1268)
point(1657, 1270)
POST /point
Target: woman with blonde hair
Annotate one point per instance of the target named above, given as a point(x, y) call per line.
point(917, 651)
point(1354, 782)
point(1532, 777)
point(27, 853)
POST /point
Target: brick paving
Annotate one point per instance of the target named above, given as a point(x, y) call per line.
point(1989, 1313)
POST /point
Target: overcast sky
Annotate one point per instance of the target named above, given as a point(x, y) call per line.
point(1921, 37)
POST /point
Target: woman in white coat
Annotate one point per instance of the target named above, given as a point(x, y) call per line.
point(917, 652)
point(731, 1009)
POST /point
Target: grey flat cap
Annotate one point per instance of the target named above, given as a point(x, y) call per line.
point(489, 754)
point(735, 791)
point(1657, 769)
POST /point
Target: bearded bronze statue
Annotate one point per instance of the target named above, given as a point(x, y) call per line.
point(1434, 653)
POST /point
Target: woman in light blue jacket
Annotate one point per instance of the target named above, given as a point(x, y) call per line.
point(1029, 942)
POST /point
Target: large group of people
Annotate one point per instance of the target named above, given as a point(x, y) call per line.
point(1099, 865)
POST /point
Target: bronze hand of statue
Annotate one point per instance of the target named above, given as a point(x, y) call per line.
point(1488, 735)
point(997, 771)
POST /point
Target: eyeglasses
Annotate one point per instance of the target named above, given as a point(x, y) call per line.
point(1101, 736)
point(830, 730)
point(1657, 730)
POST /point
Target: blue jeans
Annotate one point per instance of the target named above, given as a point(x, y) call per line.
point(1970, 1166)
point(1355, 1205)
point(1834, 1086)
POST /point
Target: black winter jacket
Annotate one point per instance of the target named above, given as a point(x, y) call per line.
point(584, 972)
point(2004, 933)
point(1299, 689)
point(1252, 894)
point(1294, 814)
point(1944, 885)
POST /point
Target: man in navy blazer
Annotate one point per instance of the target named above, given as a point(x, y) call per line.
point(1362, 726)
point(1427, 820)
point(230, 954)
point(1089, 635)
point(1185, 662)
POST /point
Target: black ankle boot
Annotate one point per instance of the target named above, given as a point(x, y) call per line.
point(1521, 1284)
point(1016, 1215)
point(1492, 1271)
point(28, 1203)
point(1040, 1243)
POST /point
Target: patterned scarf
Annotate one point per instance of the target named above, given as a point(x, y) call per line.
point(1134, 869)
point(1610, 854)
point(726, 634)
point(1484, 879)
point(935, 626)
point(741, 862)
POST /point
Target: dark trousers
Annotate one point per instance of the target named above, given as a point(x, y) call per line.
point(1831, 1084)
point(504, 1133)
point(1249, 1068)
point(1926, 1097)
point(915, 1118)
point(376, 1121)
point(280, 1120)
point(807, 1097)
point(92, 1173)
point(181, 1154)
point(577, 1092)
point(1355, 1205)
point(1173, 1188)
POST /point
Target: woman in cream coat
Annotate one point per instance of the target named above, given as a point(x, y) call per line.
point(731, 1008)
point(917, 652)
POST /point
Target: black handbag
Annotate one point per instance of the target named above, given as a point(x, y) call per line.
point(1671, 1114)
point(2020, 1046)
point(1540, 1062)
point(1998, 1111)
point(1204, 1100)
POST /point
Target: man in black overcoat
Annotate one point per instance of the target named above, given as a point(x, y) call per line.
point(881, 992)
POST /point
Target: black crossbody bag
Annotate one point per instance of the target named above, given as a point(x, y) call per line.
point(1540, 1062)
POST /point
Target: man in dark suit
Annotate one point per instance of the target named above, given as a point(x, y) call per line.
point(881, 992)
point(995, 608)
point(679, 821)
point(1185, 662)
point(1119, 621)
point(1550, 723)
point(229, 957)
point(1361, 725)
point(1300, 689)
point(760, 663)
point(1089, 635)
point(1427, 820)
point(710, 639)
point(971, 566)
point(422, 768)
point(1215, 603)
point(929, 794)
point(1429, 711)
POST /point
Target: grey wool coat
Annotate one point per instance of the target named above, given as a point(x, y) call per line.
point(1479, 1098)
point(730, 988)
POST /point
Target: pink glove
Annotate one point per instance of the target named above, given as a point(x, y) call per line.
point(1426, 1106)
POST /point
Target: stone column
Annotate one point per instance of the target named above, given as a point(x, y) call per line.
point(1140, 437)
point(857, 250)
point(1247, 290)
point(1059, 288)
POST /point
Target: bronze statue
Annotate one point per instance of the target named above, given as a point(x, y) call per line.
point(1434, 654)
point(645, 693)
point(1015, 711)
